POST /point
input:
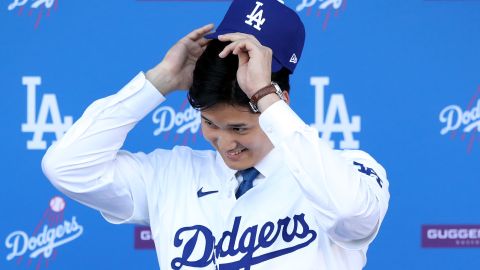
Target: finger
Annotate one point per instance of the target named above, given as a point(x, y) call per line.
point(243, 56)
point(203, 41)
point(204, 46)
point(243, 44)
point(200, 32)
point(228, 49)
point(233, 36)
point(245, 47)
point(238, 36)
point(202, 49)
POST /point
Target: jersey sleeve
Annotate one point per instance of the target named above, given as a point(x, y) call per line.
point(370, 172)
point(87, 165)
point(350, 201)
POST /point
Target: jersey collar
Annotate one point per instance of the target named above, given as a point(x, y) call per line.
point(267, 166)
point(224, 171)
point(270, 163)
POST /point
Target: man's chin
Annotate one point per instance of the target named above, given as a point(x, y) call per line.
point(238, 168)
point(237, 165)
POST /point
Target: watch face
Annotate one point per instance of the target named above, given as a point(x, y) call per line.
point(254, 107)
point(280, 95)
point(278, 91)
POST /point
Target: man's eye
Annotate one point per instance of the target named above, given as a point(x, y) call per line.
point(239, 130)
point(208, 123)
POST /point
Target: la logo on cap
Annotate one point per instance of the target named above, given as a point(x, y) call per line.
point(256, 16)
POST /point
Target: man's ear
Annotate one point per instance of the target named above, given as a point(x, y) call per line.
point(287, 97)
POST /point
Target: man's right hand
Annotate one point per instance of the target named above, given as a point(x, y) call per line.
point(175, 72)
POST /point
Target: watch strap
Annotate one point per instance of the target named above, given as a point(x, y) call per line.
point(269, 89)
point(272, 88)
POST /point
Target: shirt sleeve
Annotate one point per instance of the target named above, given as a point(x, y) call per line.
point(349, 190)
point(86, 163)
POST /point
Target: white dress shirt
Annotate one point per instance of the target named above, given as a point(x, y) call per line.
point(311, 207)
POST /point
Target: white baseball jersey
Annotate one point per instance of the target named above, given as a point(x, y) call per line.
point(310, 208)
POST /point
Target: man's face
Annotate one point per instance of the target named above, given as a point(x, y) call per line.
point(235, 133)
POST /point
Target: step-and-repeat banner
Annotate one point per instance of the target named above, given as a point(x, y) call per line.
point(398, 79)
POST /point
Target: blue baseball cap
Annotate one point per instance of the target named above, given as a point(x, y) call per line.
point(274, 24)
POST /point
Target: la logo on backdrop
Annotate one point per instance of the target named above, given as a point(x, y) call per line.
point(35, 8)
point(37, 124)
point(326, 124)
point(460, 123)
point(325, 114)
point(50, 233)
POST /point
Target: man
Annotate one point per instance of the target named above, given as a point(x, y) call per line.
point(272, 195)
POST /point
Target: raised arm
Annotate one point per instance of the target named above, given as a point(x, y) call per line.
point(86, 163)
point(349, 189)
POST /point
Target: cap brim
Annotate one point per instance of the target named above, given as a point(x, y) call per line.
point(276, 65)
point(213, 35)
point(219, 32)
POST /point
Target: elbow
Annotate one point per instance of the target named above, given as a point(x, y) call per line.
point(72, 174)
point(356, 227)
point(54, 169)
point(360, 221)
point(50, 166)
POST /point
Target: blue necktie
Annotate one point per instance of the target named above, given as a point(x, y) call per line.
point(248, 176)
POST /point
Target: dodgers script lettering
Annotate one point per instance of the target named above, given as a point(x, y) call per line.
point(35, 4)
point(201, 249)
point(167, 119)
point(19, 242)
point(454, 117)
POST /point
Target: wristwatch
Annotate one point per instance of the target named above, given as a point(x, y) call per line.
point(269, 89)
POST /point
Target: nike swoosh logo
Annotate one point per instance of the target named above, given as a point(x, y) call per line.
point(201, 193)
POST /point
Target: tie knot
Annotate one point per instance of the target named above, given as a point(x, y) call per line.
point(249, 174)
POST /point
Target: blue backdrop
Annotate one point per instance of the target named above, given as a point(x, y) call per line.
point(398, 79)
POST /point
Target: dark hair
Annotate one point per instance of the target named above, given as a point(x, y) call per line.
point(215, 79)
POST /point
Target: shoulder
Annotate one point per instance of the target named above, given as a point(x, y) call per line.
point(367, 167)
point(359, 158)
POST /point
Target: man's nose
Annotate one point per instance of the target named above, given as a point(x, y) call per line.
point(226, 141)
